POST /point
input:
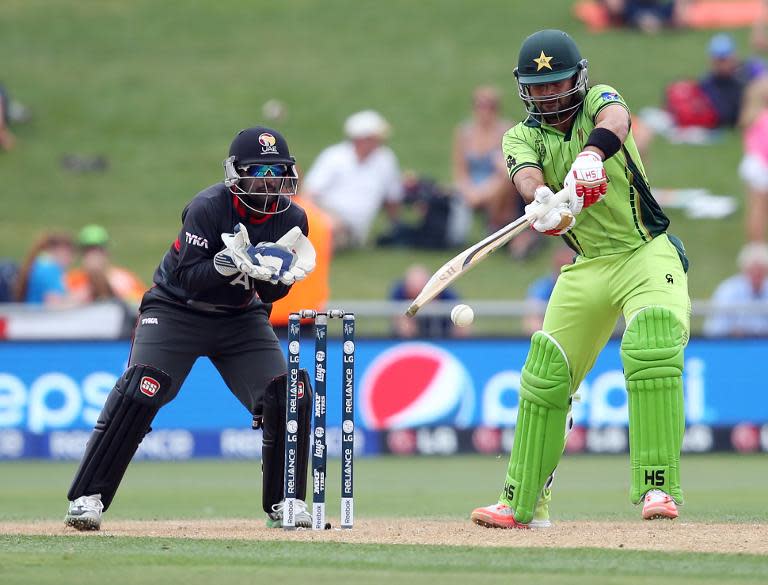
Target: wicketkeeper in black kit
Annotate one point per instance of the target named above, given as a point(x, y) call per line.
point(211, 297)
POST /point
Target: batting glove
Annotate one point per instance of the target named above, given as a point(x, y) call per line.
point(586, 180)
point(554, 222)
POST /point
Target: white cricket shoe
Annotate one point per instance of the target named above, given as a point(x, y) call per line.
point(85, 513)
point(302, 518)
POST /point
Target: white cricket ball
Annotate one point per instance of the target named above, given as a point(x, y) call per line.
point(462, 315)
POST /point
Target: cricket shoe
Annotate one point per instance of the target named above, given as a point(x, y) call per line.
point(302, 519)
point(658, 504)
point(85, 513)
point(496, 516)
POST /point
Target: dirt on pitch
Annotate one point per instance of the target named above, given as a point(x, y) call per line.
point(656, 535)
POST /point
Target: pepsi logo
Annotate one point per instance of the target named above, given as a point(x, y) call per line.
point(416, 384)
point(300, 390)
point(149, 386)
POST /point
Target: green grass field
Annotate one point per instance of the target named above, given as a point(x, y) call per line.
point(729, 490)
point(161, 87)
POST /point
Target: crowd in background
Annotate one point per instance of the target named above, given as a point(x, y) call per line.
point(352, 181)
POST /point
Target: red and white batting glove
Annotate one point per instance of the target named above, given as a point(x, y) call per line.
point(587, 180)
point(554, 222)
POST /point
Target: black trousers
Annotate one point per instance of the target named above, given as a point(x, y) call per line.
point(243, 348)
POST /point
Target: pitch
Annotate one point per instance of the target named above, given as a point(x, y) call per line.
point(190, 522)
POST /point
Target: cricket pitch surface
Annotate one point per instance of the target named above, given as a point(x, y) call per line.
point(658, 535)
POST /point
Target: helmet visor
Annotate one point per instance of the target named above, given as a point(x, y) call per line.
point(266, 171)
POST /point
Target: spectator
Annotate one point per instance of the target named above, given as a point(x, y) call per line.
point(649, 16)
point(754, 166)
point(750, 285)
point(479, 171)
point(353, 179)
point(314, 291)
point(541, 289)
point(422, 326)
point(97, 278)
point(431, 211)
point(727, 79)
point(7, 139)
point(41, 278)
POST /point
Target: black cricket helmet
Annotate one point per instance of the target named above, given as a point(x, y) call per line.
point(260, 170)
point(549, 56)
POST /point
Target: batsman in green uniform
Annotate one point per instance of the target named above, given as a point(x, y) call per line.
point(579, 138)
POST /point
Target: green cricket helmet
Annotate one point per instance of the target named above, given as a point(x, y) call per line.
point(549, 56)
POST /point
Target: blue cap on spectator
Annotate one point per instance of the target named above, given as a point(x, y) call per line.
point(721, 46)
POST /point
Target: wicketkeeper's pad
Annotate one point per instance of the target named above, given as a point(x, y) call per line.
point(124, 421)
point(273, 447)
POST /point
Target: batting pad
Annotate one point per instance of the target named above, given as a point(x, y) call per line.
point(652, 354)
point(540, 433)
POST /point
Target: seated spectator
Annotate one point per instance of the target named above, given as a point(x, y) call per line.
point(754, 165)
point(422, 326)
point(479, 171)
point(750, 285)
point(541, 289)
point(97, 279)
point(312, 292)
point(41, 277)
point(352, 180)
point(7, 139)
point(648, 16)
point(431, 211)
point(727, 79)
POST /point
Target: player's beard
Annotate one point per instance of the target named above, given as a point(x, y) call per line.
point(563, 110)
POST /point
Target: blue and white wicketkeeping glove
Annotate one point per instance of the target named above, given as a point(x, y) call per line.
point(289, 259)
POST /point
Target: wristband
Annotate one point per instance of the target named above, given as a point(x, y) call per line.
point(605, 140)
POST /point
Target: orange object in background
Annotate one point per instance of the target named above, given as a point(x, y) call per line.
point(700, 14)
point(313, 291)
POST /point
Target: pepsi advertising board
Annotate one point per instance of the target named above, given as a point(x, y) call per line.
point(411, 397)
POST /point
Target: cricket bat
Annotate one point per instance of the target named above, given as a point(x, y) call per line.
point(471, 257)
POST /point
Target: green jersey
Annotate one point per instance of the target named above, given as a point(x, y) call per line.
point(628, 216)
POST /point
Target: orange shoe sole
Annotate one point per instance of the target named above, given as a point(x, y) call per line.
point(489, 521)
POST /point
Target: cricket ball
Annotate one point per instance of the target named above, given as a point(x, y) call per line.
point(462, 315)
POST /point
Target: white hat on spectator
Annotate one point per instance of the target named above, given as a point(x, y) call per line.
point(366, 124)
point(755, 253)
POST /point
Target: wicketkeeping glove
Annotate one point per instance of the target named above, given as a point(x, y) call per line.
point(240, 254)
point(557, 220)
point(586, 179)
point(302, 253)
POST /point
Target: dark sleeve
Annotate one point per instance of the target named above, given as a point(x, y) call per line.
point(268, 292)
point(199, 241)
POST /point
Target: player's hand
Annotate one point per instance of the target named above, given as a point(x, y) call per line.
point(245, 257)
point(586, 180)
point(554, 222)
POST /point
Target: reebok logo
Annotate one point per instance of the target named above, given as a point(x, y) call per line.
point(149, 386)
point(196, 240)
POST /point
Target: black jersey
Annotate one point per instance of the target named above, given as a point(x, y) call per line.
point(187, 276)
